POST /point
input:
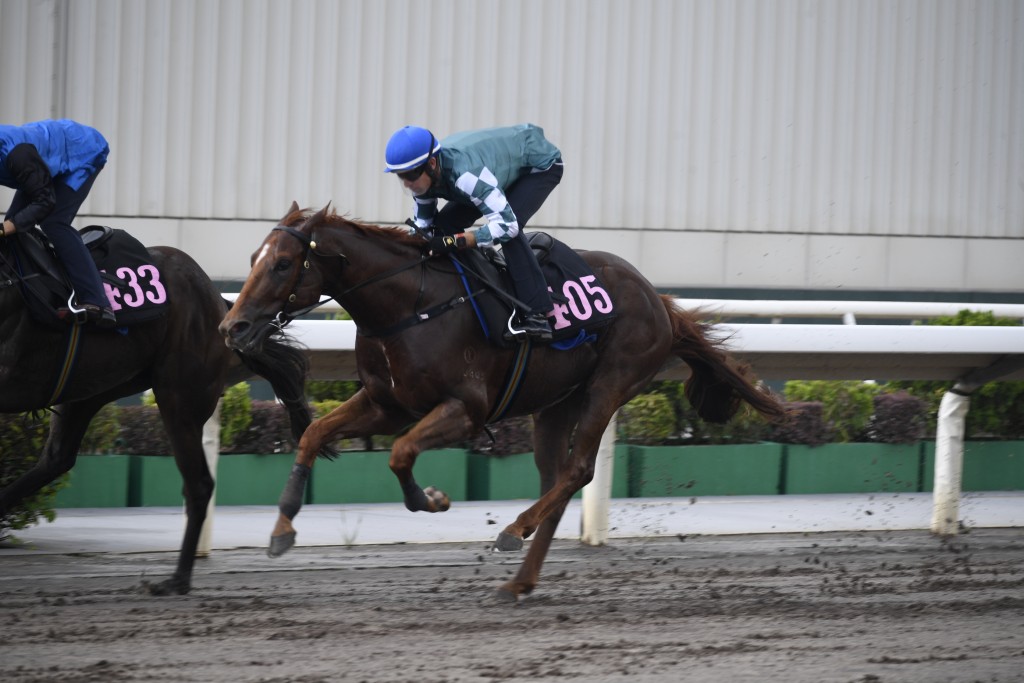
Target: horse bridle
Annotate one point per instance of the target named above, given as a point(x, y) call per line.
point(309, 244)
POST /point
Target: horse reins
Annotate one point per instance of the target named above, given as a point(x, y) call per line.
point(309, 243)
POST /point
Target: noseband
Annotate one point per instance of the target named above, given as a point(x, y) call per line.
point(308, 243)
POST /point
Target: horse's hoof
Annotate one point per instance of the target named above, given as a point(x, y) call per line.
point(506, 595)
point(507, 543)
point(279, 545)
point(437, 499)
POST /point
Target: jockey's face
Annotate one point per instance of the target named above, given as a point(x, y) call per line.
point(418, 183)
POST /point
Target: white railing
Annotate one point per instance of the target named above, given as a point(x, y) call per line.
point(847, 311)
point(780, 309)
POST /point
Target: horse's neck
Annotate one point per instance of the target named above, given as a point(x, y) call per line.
point(383, 285)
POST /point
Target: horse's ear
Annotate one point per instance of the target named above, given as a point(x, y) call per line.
point(324, 212)
point(294, 207)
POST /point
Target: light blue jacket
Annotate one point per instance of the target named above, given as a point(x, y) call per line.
point(477, 167)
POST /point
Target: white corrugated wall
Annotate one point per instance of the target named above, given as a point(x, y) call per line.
point(851, 118)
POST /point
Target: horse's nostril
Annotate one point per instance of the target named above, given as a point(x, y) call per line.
point(233, 330)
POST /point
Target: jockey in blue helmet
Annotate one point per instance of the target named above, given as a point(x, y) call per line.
point(501, 174)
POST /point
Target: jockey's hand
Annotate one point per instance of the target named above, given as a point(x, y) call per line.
point(446, 244)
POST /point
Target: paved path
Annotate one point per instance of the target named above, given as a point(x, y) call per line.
point(132, 530)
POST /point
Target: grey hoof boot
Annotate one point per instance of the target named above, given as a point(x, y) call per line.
point(507, 543)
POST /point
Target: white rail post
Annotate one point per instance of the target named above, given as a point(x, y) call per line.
point(597, 494)
point(949, 463)
point(211, 446)
point(949, 441)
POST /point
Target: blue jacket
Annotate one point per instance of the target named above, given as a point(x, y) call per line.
point(37, 155)
point(73, 152)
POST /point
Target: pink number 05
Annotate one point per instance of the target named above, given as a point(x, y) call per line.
point(580, 295)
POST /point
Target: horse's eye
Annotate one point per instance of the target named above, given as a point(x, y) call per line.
point(282, 265)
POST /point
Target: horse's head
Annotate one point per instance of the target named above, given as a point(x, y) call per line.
point(281, 281)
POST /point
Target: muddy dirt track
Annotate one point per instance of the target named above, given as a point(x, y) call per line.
point(801, 608)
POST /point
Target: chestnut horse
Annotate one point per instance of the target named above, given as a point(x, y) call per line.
point(180, 355)
point(441, 379)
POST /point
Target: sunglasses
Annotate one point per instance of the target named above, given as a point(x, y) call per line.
point(410, 176)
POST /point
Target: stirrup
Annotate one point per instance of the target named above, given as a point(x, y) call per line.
point(73, 313)
point(102, 317)
point(513, 334)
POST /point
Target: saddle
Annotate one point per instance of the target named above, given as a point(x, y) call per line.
point(581, 304)
point(131, 280)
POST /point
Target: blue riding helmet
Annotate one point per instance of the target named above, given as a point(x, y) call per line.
point(408, 148)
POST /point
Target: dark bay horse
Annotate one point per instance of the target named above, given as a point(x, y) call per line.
point(180, 355)
point(441, 379)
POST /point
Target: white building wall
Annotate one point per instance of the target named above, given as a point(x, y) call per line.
point(858, 144)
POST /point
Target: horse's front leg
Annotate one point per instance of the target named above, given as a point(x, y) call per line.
point(446, 423)
point(357, 417)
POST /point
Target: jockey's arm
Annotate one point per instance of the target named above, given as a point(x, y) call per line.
point(500, 223)
point(426, 210)
point(33, 178)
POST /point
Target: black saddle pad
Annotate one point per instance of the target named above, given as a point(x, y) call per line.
point(133, 283)
point(131, 280)
point(581, 304)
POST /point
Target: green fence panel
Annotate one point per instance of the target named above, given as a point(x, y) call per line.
point(506, 477)
point(988, 466)
point(515, 477)
point(154, 481)
point(253, 479)
point(364, 477)
point(96, 481)
point(741, 469)
point(852, 468)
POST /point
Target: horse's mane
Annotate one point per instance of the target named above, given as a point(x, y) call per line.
point(333, 218)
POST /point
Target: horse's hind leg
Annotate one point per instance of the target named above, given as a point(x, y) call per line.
point(184, 415)
point(551, 443)
point(575, 473)
point(68, 424)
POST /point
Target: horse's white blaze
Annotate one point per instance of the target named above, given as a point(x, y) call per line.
point(263, 252)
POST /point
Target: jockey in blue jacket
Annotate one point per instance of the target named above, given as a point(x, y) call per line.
point(502, 174)
point(51, 165)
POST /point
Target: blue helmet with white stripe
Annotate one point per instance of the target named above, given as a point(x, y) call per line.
point(408, 148)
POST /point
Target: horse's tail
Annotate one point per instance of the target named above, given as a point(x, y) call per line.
point(718, 383)
point(279, 361)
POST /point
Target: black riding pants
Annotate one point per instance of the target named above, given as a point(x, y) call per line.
point(525, 196)
point(81, 269)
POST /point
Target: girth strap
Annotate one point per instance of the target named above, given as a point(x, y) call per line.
point(70, 355)
point(516, 372)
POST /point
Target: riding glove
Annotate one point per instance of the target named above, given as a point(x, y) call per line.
point(446, 244)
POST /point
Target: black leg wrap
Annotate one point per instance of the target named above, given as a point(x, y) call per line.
point(294, 491)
